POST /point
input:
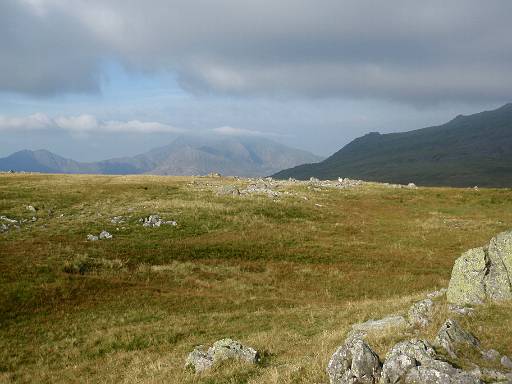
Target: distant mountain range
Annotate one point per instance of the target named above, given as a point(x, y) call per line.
point(187, 155)
point(467, 151)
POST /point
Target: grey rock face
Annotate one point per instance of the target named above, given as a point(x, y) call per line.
point(386, 322)
point(421, 312)
point(354, 363)
point(198, 360)
point(453, 337)
point(483, 273)
point(415, 361)
point(231, 349)
point(201, 359)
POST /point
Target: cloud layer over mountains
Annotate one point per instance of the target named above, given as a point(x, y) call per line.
point(409, 51)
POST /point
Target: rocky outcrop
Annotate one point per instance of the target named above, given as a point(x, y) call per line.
point(201, 359)
point(483, 273)
point(354, 363)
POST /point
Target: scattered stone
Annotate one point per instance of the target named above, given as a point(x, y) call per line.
point(354, 363)
point(31, 208)
point(153, 221)
point(483, 273)
point(92, 237)
point(200, 359)
point(214, 174)
point(228, 190)
point(117, 220)
point(421, 312)
point(6, 224)
point(314, 180)
point(491, 355)
point(377, 325)
point(452, 337)
point(506, 362)
point(105, 235)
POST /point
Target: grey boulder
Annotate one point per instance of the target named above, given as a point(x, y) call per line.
point(201, 359)
point(354, 363)
point(452, 337)
point(483, 273)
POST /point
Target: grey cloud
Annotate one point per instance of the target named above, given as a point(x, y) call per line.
point(402, 50)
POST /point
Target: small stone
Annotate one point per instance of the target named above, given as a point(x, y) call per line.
point(31, 208)
point(412, 186)
point(105, 235)
point(92, 237)
point(491, 355)
point(201, 359)
point(506, 362)
point(228, 190)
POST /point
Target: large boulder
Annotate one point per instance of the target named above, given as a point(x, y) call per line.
point(354, 363)
point(483, 273)
point(201, 359)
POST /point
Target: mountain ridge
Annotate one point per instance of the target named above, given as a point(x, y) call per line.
point(466, 151)
point(186, 155)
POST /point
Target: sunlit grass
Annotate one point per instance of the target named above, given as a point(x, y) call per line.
point(287, 275)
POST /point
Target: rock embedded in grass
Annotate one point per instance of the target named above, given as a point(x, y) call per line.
point(201, 359)
point(354, 363)
point(154, 221)
point(483, 273)
point(453, 338)
point(416, 361)
point(104, 235)
point(421, 313)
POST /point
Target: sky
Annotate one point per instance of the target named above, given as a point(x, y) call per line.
point(95, 79)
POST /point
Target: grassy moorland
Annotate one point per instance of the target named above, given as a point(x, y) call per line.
point(286, 275)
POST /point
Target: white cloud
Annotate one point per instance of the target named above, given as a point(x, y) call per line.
point(232, 131)
point(82, 124)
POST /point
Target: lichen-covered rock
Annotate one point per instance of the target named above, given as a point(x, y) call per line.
point(498, 278)
point(452, 337)
point(201, 359)
point(427, 375)
point(467, 281)
point(415, 361)
point(231, 349)
point(483, 273)
point(421, 312)
point(354, 363)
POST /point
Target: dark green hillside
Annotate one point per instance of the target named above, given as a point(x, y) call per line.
point(469, 150)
